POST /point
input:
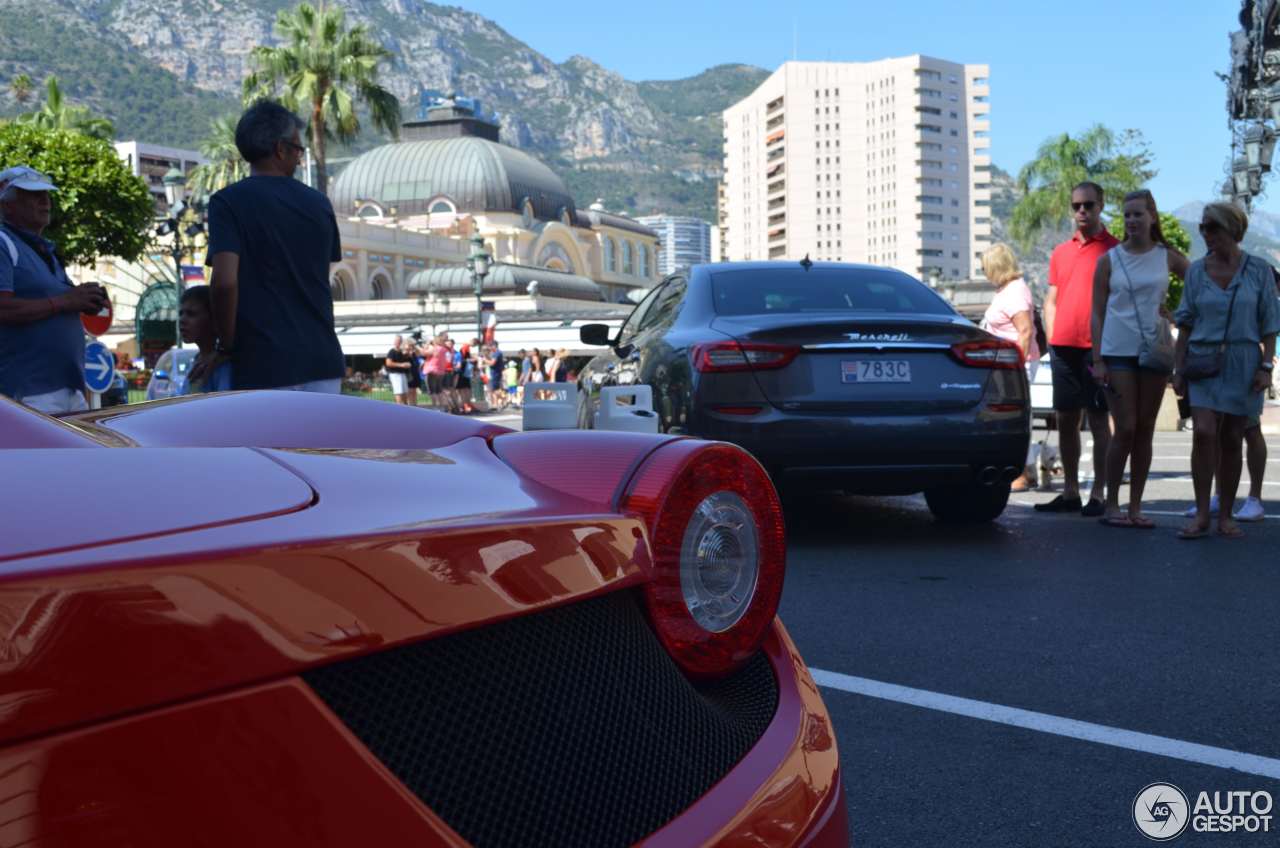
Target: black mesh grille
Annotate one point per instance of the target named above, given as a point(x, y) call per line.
point(567, 727)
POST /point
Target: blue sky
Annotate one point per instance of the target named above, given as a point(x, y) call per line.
point(1138, 64)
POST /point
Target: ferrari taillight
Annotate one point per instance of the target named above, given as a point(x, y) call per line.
point(988, 353)
point(741, 356)
point(719, 551)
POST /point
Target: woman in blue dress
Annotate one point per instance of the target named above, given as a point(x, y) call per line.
point(1230, 303)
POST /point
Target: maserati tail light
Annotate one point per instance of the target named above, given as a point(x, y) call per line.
point(719, 552)
point(741, 356)
point(988, 353)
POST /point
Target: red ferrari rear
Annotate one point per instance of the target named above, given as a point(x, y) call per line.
point(290, 619)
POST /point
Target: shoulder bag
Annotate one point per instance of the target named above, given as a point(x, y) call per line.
point(1202, 366)
point(1153, 354)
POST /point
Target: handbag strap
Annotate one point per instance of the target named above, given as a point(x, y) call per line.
point(1226, 325)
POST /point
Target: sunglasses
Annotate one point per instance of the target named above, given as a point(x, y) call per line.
point(1206, 229)
point(1086, 205)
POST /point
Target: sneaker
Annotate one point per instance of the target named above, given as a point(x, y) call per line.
point(1060, 504)
point(1250, 510)
point(1213, 509)
point(1093, 509)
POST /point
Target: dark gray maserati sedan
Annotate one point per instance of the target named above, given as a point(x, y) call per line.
point(835, 376)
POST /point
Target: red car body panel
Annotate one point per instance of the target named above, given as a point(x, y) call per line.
point(149, 685)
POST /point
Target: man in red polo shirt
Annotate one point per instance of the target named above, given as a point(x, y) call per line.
point(1068, 310)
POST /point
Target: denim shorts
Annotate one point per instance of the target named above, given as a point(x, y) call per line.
point(1129, 363)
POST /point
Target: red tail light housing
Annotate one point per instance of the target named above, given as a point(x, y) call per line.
point(719, 551)
point(988, 353)
point(741, 356)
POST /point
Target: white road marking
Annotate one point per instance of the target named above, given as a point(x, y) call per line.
point(1086, 731)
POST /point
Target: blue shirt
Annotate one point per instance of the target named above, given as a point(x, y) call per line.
point(285, 235)
point(46, 355)
point(218, 381)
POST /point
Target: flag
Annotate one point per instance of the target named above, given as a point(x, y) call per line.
point(192, 274)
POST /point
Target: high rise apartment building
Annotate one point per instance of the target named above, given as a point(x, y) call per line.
point(883, 162)
point(684, 241)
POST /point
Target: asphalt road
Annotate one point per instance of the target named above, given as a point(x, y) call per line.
point(1131, 630)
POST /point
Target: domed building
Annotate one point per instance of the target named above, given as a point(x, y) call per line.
point(408, 209)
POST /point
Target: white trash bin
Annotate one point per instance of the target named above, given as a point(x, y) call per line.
point(550, 406)
point(627, 408)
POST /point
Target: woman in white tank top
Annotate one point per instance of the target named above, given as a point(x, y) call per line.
point(1130, 284)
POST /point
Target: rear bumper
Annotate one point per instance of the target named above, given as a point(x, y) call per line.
point(787, 790)
point(877, 454)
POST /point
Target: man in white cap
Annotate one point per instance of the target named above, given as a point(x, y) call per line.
point(41, 337)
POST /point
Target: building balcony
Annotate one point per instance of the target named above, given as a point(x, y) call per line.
point(777, 234)
point(778, 251)
point(775, 121)
point(777, 218)
point(775, 137)
point(775, 170)
point(777, 188)
point(779, 203)
point(773, 105)
point(775, 154)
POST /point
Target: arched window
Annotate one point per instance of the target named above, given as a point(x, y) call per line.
point(369, 209)
point(628, 267)
point(338, 289)
point(441, 207)
point(610, 257)
point(381, 287)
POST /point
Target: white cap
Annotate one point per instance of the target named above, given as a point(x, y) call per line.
point(25, 178)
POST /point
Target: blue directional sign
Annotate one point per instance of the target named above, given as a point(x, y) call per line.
point(99, 367)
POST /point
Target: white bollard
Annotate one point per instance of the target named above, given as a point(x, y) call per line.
point(550, 406)
point(627, 408)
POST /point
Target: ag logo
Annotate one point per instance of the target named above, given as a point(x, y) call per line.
point(1161, 812)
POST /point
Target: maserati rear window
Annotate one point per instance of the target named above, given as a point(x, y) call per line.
point(788, 288)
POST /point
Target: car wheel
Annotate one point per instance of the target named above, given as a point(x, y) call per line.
point(972, 503)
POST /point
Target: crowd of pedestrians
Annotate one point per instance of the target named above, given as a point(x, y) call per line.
point(449, 372)
point(1114, 347)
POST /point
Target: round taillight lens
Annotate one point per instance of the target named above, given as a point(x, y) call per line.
point(719, 551)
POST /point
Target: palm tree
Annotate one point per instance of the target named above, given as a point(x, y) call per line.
point(224, 166)
point(56, 114)
point(1118, 164)
point(322, 70)
point(21, 87)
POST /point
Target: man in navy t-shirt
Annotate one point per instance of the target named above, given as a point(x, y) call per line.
point(271, 240)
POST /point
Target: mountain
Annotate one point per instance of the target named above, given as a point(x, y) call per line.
point(161, 69)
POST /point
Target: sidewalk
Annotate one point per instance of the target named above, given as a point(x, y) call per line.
point(1271, 418)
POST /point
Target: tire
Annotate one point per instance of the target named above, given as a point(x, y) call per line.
point(972, 503)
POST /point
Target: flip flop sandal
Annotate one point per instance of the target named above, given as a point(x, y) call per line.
point(1233, 533)
point(1116, 521)
point(1189, 533)
point(1142, 523)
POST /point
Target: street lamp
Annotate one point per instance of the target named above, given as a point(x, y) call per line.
point(1240, 172)
point(175, 192)
point(478, 263)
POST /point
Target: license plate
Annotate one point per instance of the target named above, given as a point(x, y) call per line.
point(875, 371)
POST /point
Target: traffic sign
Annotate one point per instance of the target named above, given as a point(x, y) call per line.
point(96, 325)
point(99, 367)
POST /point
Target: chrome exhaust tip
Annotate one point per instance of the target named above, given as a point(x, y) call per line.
point(988, 475)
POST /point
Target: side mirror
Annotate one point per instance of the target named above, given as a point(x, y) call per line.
point(595, 334)
point(161, 375)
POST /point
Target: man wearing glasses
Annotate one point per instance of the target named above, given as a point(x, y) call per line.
point(271, 240)
point(1068, 310)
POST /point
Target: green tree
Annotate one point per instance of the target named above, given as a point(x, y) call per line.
point(321, 71)
point(57, 114)
point(100, 209)
point(225, 165)
point(21, 87)
point(1119, 164)
point(1177, 237)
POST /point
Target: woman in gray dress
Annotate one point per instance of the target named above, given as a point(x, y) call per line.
point(1229, 302)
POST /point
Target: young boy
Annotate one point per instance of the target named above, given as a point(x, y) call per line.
point(195, 322)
